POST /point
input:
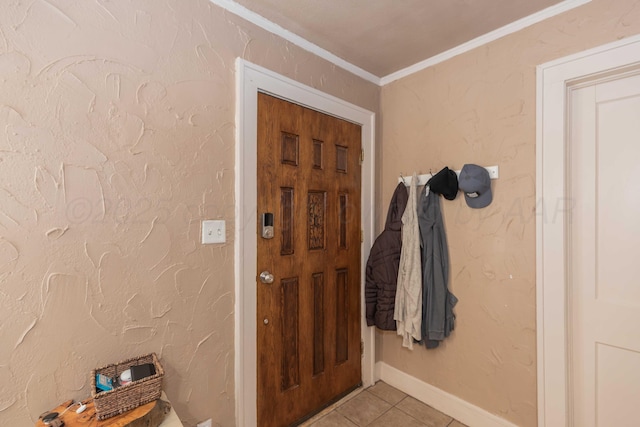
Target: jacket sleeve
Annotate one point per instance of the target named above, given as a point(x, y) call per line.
point(371, 287)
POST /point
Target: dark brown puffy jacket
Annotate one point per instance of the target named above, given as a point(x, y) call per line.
point(382, 265)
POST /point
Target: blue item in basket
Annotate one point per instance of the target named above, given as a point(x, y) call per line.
point(103, 382)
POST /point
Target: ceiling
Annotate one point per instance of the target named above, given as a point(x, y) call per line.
point(385, 36)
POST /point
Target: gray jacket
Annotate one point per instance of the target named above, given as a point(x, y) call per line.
point(437, 313)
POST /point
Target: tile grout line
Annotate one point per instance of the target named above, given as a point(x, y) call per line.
point(379, 416)
point(408, 414)
point(451, 419)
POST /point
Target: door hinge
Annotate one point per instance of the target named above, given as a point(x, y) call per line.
point(361, 236)
point(361, 348)
point(361, 156)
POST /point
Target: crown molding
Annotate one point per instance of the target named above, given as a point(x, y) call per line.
point(276, 29)
point(513, 27)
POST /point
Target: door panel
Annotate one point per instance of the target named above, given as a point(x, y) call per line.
point(605, 296)
point(309, 317)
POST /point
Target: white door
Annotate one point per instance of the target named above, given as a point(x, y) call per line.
point(604, 252)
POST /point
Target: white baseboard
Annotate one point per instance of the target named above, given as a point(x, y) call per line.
point(449, 404)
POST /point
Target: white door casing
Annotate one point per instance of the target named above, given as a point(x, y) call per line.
point(554, 204)
point(251, 79)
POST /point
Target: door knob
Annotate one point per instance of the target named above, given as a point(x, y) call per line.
point(266, 277)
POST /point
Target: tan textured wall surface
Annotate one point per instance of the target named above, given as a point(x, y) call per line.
point(480, 108)
point(116, 139)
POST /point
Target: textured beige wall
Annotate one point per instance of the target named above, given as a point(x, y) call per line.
point(480, 108)
point(116, 139)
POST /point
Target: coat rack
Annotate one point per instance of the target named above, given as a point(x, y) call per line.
point(494, 173)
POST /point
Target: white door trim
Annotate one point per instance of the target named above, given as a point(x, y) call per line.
point(251, 79)
point(553, 205)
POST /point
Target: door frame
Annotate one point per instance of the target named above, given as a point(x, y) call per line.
point(251, 79)
point(553, 207)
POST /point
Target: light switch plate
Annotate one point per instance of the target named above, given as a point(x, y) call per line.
point(213, 231)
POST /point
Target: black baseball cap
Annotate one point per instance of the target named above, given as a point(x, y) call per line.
point(445, 182)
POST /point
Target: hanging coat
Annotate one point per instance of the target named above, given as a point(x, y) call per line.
point(437, 315)
point(408, 304)
point(382, 265)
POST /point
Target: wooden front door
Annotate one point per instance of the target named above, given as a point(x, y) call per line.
point(309, 316)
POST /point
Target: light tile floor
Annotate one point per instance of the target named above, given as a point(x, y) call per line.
point(381, 406)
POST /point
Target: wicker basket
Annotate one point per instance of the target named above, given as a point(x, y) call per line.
point(127, 397)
